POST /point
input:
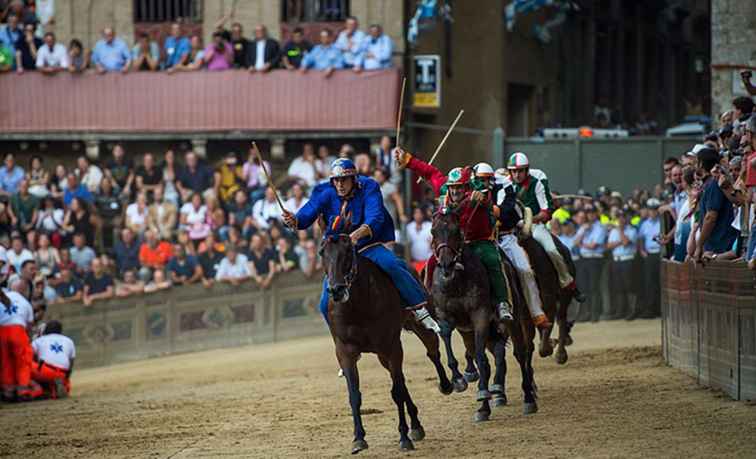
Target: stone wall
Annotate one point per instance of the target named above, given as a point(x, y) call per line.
point(733, 44)
point(85, 19)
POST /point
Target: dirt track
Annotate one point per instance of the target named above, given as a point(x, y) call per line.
point(615, 397)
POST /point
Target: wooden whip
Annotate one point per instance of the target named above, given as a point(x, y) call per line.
point(443, 141)
point(267, 175)
point(399, 114)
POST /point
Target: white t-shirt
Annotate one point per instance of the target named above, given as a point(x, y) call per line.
point(263, 210)
point(420, 240)
point(57, 57)
point(194, 216)
point(92, 178)
point(17, 259)
point(292, 206)
point(50, 221)
point(19, 312)
point(134, 217)
point(260, 54)
point(227, 270)
point(55, 349)
point(304, 170)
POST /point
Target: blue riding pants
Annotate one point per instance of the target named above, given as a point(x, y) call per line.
point(410, 290)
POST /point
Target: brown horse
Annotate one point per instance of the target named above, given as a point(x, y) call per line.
point(365, 314)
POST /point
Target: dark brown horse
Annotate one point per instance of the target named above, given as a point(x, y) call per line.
point(461, 296)
point(365, 314)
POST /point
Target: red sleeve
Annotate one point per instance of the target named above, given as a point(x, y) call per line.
point(430, 173)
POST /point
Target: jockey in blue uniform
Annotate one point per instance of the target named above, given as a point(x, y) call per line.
point(359, 196)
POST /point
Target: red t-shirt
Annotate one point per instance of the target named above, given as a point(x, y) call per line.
point(750, 164)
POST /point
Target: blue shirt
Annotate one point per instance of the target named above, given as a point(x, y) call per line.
point(323, 57)
point(569, 242)
point(595, 234)
point(352, 53)
point(81, 192)
point(185, 269)
point(9, 38)
point(365, 205)
point(111, 56)
point(723, 234)
point(136, 51)
point(623, 250)
point(9, 180)
point(380, 50)
point(175, 48)
point(649, 230)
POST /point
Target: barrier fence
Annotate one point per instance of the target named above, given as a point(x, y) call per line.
point(709, 324)
point(191, 318)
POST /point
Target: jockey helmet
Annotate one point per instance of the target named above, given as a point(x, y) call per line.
point(518, 161)
point(501, 176)
point(483, 170)
point(342, 167)
point(458, 176)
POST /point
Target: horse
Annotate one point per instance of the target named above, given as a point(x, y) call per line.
point(463, 302)
point(362, 321)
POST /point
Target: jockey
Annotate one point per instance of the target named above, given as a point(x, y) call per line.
point(346, 193)
point(508, 219)
point(532, 188)
point(476, 217)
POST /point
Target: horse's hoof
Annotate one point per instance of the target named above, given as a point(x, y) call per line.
point(546, 348)
point(481, 416)
point(417, 434)
point(561, 356)
point(446, 389)
point(496, 389)
point(359, 445)
point(406, 445)
point(568, 340)
point(499, 400)
point(530, 408)
point(483, 395)
point(471, 376)
point(460, 385)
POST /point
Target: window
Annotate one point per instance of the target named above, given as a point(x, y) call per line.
point(187, 11)
point(315, 10)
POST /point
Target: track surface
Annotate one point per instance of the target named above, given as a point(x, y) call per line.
point(615, 397)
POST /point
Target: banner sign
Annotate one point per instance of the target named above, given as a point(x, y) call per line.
point(427, 68)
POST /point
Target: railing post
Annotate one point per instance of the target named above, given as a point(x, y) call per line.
point(497, 149)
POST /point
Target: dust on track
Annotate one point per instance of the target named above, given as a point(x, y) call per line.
point(615, 397)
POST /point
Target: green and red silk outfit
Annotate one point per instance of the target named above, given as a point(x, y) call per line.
point(477, 222)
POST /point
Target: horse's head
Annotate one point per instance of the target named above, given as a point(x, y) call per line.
point(448, 240)
point(340, 262)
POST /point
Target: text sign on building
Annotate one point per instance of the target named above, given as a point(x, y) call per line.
point(427, 81)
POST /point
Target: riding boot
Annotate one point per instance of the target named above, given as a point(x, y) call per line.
point(504, 309)
point(423, 316)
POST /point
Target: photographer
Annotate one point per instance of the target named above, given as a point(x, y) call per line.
point(219, 55)
point(745, 75)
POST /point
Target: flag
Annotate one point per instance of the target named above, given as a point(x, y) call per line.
point(522, 6)
point(426, 9)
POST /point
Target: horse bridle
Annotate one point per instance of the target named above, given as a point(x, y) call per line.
point(437, 251)
point(352, 274)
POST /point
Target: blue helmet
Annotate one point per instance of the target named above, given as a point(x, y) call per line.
point(343, 167)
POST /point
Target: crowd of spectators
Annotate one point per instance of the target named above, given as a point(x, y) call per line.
point(23, 47)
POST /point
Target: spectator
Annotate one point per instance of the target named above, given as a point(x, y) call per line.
point(363, 163)
point(120, 170)
point(262, 262)
point(148, 176)
point(668, 165)
point(158, 282)
point(323, 162)
point(111, 54)
point(76, 190)
point(216, 217)
point(715, 213)
point(170, 172)
point(10, 176)
point(52, 57)
point(44, 10)
point(303, 167)
point(419, 238)
point(286, 259)
point(78, 220)
point(240, 214)
point(295, 49)
point(240, 44)
point(233, 267)
point(153, 255)
point(209, 260)
point(325, 56)
point(193, 218)
point(264, 52)
point(130, 285)
point(18, 254)
point(110, 211)
point(742, 107)
point(196, 57)
point(309, 262)
point(98, 285)
point(162, 215)
point(183, 269)
point(11, 33)
point(591, 239)
point(650, 252)
point(38, 178)
point(681, 231)
point(46, 256)
point(69, 288)
point(126, 252)
point(145, 55)
point(254, 176)
point(26, 49)
point(297, 199)
point(90, 175)
point(25, 207)
point(351, 42)
point(176, 47)
point(376, 51)
point(228, 178)
point(65, 262)
point(385, 161)
point(81, 254)
point(392, 201)
point(266, 210)
point(218, 54)
point(622, 243)
point(50, 220)
point(195, 177)
point(78, 60)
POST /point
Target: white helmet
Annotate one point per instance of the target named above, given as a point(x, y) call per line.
point(483, 170)
point(518, 161)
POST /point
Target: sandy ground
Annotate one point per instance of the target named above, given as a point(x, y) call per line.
point(615, 397)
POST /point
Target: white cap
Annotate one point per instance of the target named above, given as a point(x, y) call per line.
point(697, 148)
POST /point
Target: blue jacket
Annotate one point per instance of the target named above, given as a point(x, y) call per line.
point(365, 205)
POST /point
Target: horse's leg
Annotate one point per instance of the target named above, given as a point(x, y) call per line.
point(564, 332)
point(460, 385)
point(348, 363)
point(471, 372)
point(393, 363)
point(500, 361)
point(430, 341)
point(523, 353)
point(546, 347)
point(481, 323)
